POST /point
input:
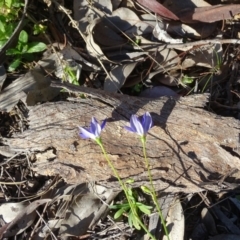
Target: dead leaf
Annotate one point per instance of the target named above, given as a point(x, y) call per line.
point(165, 60)
point(84, 14)
point(10, 210)
point(208, 221)
point(170, 79)
point(106, 36)
point(162, 35)
point(193, 30)
point(209, 56)
point(209, 14)
point(118, 77)
point(158, 8)
point(80, 214)
point(23, 220)
point(77, 205)
point(111, 35)
point(175, 221)
point(43, 232)
point(92, 47)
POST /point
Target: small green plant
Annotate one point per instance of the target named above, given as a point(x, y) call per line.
point(11, 4)
point(215, 70)
point(71, 74)
point(9, 9)
point(136, 89)
point(135, 42)
point(23, 50)
point(125, 209)
point(6, 31)
point(219, 61)
point(186, 80)
point(39, 28)
point(9, 17)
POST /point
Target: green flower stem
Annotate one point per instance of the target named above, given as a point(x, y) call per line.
point(153, 193)
point(99, 142)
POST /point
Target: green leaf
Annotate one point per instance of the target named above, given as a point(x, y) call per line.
point(130, 192)
point(146, 190)
point(36, 47)
point(23, 47)
point(2, 27)
point(75, 83)
point(131, 195)
point(145, 209)
point(23, 37)
point(39, 28)
point(17, 3)
point(14, 65)
point(13, 51)
point(8, 3)
point(2, 43)
point(9, 29)
point(133, 221)
point(137, 88)
point(130, 219)
point(117, 206)
point(130, 180)
point(141, 204)
point(114, 207)
point(119, 213)
point(71, 74)
point(187, 80)
point(136, 224)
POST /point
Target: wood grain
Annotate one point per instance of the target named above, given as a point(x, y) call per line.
point(189, 148)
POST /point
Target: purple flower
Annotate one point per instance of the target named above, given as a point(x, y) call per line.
point(140, 125)
point(94, 131)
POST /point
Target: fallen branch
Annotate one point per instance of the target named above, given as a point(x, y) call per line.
point(189, 148)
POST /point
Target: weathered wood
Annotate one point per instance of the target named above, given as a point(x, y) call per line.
point(188, 147)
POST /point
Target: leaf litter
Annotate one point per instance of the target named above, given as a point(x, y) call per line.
point(119, 45)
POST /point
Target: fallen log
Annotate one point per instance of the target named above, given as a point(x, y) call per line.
point(189, 148)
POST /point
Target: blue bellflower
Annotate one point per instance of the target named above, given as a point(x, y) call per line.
point(140, 125)
point(94, 131)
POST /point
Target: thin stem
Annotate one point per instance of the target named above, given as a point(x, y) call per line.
point(124, 189)
point(153, 193)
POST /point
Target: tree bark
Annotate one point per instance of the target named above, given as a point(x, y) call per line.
point(189, 148)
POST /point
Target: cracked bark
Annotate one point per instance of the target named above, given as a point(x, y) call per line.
point(189, 149)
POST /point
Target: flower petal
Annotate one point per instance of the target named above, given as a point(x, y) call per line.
point(140, 125)
point(146, 122)
point(93, 124)
point(95, 127)
point(86, 134)
point(130, 129)
point(136, 124)
point(103, 124)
